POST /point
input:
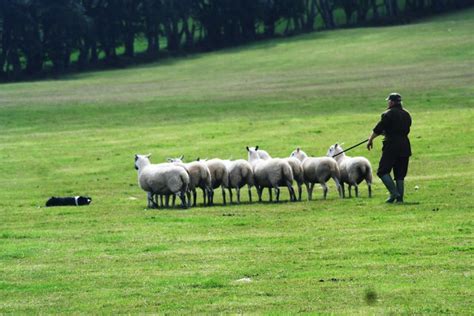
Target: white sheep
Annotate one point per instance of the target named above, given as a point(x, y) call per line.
point(162, 179)
point(271, 174)
point(353, 169)
point(240, 174)
point(318, 170)
point(159, 197)
point(295, 165)
point(263, 154)
point(219, 177)
point(199, 176)
point(298, 173)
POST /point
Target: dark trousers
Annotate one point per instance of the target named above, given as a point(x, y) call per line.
point(398, 164)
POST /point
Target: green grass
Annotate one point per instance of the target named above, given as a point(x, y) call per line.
point(78, 135)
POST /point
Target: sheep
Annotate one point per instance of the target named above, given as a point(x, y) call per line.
point(270, 173)
point(318, 170)
point(161, 179)
point(240, 174)
point(159, 197)
point(295, 165)
point(353, 170)
point(263, 154)
point(219, 177)
point(199, 176)
point(297, 168)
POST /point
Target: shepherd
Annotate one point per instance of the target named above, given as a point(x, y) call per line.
point(396, 151)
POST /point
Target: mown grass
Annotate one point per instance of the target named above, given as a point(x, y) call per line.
point(353, 256)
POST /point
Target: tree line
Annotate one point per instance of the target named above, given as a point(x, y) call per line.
point(55, 36)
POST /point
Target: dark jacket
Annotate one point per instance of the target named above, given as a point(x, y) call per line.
point(395, 126)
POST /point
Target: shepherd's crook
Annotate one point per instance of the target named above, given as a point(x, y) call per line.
point(365, 141)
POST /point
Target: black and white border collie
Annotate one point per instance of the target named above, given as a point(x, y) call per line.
point(69, 200)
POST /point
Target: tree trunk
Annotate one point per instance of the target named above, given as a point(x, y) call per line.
point(172, 35)
point(129, 44)
point(362, 11)
point(375, 11)
point(94, 55)
point(14, 61)
point(311, 13)
point(326, 13)
point(392, 7)
point(34, 62)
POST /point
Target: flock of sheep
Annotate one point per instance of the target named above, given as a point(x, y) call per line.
point(176, 178)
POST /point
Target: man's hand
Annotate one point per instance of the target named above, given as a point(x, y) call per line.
point(370, 144)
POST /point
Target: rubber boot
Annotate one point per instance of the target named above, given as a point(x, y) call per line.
point(392, 189)
point(400, 189)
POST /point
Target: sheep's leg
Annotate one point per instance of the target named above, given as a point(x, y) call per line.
point(291, 191)
point(210, 193)
point(250, 194)
point(203, 196)
point(149, 199)
point(325, 190)
point(350, 190)
point(173, 200)
point(370, 189)
point(308, 190)
point(259, 192)
point(299, 191)
point(212, 196)
point(188, 197)
point(151, 203)
point(356, 189)
point(338, 185)
point(223, 195)
point(238, 195)
point(194, 197)
point(270, 194)
point(182, 196)
point(343, 189)
point(209, 196)
point(277, 194)
point(230, 195)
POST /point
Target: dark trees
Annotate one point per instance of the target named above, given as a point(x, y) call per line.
point(54, 35)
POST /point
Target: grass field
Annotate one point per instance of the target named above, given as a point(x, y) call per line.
point(78, 135)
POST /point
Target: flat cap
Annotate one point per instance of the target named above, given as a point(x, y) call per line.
point(394, 97)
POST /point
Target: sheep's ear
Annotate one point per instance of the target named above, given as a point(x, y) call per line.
point(197, 159)
point(256, 148)
point(182, 157)
point(298, 150)
point(248, 148)
point(169, 159)
point(148, 156)
point(335, 145)
point(136, 156)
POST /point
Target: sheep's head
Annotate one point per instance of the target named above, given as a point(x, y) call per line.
point(178, 159)
point(299, 154)
point(252, 153)
point(334, 150)
point(141, 160)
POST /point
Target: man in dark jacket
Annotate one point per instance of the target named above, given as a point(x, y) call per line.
point(395, 126)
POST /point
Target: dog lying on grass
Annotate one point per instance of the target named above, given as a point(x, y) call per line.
point(69, 200)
